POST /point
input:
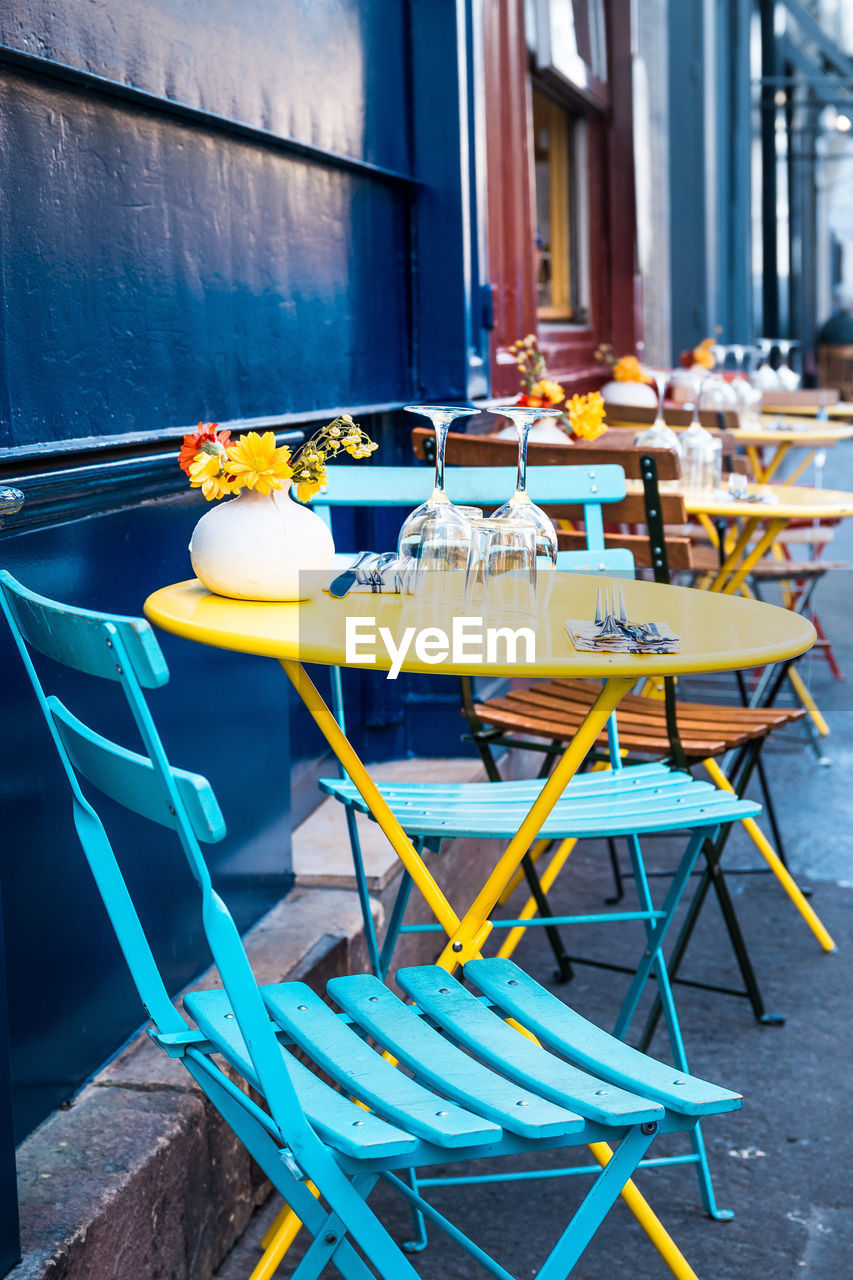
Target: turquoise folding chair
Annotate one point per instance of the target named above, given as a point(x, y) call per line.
point(473, 1086)
point(625, 801)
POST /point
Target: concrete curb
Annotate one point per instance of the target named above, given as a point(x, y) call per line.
point(139, 1177)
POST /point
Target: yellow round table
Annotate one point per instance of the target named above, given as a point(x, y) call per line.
point(768, 510)
point(781, 435)
point(718, 633)
point(715, 636)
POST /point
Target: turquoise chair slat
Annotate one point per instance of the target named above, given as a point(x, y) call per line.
point(375, 486)
point(613, 562)
point(638, 777)
point(476, 813)
point(455, 1075)
point(474, 1026)
point(132, 780)
point(84, 640)
point(365, 1074)
point(565, 1031)
point(349, 1128)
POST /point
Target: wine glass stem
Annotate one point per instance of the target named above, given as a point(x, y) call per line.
point(523, 429)
point(441, 429)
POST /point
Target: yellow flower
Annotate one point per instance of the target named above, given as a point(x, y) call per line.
point(257, 463)
point(586, 415)
point(703, 355)
point(311, 485)
point(206, 473)
point(628, 369)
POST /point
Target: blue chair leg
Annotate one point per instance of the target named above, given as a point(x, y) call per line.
point(654, 961)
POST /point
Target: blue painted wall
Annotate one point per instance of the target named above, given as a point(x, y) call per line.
point(223, 212)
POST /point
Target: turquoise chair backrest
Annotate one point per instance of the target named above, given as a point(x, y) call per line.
point(586, 486)
point(375, 486)
point(126, 650)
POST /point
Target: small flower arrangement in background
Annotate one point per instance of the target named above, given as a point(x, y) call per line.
point(702, 354)
point(220, 467)
point(583, 416)
point(622, 368)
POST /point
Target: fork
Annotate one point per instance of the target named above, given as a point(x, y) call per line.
point(375, 573)
point(608, 622)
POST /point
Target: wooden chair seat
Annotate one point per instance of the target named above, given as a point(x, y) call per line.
point(554, 709)
point(706, 559)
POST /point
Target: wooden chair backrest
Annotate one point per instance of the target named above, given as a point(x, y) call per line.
point(489, 451)
point(637, 417)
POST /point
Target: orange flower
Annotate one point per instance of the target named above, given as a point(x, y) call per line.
point(586, 415)
point(207, 433)
point(543, 394)
point(701, 355)
point(628, 369)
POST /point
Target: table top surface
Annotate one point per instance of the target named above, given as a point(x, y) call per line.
point(718, 633)
point(807, 432)
point(770, 501)
point(841, 408)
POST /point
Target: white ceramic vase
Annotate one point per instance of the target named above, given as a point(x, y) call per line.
point(638, 394)
point(261, 547)
point(543, 431)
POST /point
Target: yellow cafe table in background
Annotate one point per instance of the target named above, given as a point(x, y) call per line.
point(768, 444)
point(763, 514)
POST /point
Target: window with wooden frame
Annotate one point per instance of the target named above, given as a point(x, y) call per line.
point(559, 167)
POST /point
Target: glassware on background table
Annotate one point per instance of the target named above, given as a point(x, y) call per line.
point(659, 435)
point(716, 395)
point(738, 486)
point(788, 377)
point(701, 452)
point(749, 395)
point(519, 508)
point(783, 378)
point(501, 578)
point(438, 509)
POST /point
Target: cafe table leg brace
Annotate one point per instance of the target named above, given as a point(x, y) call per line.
point(466, 935)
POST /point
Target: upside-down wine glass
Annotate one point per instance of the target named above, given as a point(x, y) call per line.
point(659, 435)
point(438, 510)
point(520, 508)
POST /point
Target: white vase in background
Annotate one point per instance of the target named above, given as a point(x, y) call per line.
point(543, 431)
point(261, 547)
point(638, 394)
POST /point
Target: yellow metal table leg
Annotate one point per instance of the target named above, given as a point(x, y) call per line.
point(514, 881)
point(734, 557)
point(795, 475)
point(754, 454)
point(400, 842)
point(463, 939)
point(648, 1220)
point(529, 909)
point(776, 864)
point(278, 1239)
point(766, 540)
point(808, 702)
point(773, 467)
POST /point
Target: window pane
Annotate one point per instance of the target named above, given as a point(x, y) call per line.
point(552, 131)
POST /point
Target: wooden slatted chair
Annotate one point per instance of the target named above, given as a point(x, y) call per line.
point(547, 716)
point(326, 1130)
